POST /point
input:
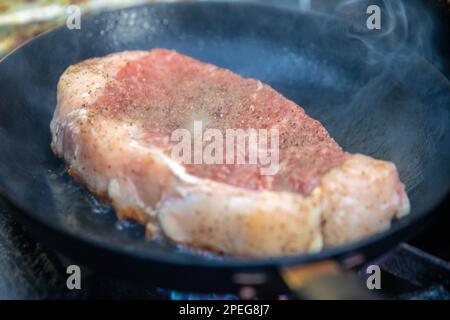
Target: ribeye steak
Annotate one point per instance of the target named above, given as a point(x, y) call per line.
point(112, 126)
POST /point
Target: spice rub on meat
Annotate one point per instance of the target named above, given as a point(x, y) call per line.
point(113, 123)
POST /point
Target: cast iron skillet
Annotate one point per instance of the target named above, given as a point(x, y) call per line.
point(396, 110)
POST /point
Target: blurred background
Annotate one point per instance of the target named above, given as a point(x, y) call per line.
point(21, 20)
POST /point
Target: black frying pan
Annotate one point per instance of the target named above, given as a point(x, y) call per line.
point(396, 110)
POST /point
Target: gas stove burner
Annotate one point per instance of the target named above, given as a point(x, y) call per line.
point(407, 273)
point(178, 295)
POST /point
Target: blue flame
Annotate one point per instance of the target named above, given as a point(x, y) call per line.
point(178, 295)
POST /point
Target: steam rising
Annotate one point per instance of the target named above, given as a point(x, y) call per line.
point(406, 29)
point(399, 58)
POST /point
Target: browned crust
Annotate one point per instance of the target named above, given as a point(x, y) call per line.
point(134, 214)
point(102, 196)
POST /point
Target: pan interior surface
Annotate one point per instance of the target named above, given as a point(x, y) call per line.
point(397, 112)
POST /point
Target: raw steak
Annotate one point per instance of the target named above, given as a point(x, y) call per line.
point(113, 125)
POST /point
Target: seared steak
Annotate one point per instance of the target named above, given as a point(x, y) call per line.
point(113, 125)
